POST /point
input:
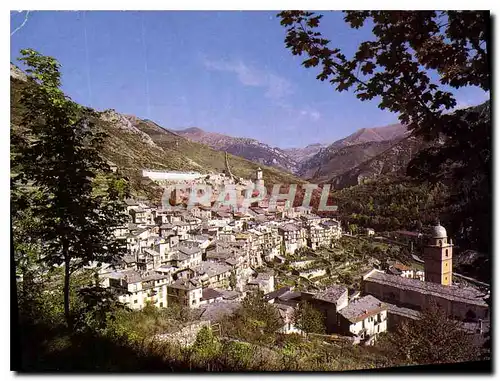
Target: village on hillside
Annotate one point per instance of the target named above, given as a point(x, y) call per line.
point(251, 191)
point(208, 260)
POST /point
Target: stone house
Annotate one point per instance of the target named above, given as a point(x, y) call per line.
point(210, 295)
point(182, 229)
point(310, 219)
point(213, 274)
point(185, 256)
point(364, 318)
point(329, 302)
point(186, 292)
point(286, 315)
point(318, 236)
point(148, 259)
point(137, 239)
point(139, 215)
point(271, 241)
point(262, 282)
point(136, 288)
point(333, 227)
point(201, 212)
point(294, 237)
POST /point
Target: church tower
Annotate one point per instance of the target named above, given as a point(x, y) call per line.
point(438, 257)
point(259, 181)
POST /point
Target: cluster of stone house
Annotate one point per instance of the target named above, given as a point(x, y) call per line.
point(360, 319)
point(309, 231)
point(209, 259)
point(192, 256)
point(390, 297)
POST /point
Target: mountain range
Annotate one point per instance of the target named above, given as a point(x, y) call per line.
point(315, 162)
point(250, 149)
point(134, 144)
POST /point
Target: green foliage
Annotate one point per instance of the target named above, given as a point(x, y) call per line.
point(308, 319)
point(206, 346)
point(232, 280)
point(255, 321)
point(431, 339)
point(464, 163)
point(396, 204)
point(99, 308)
point(58, 162)
point(240, 354)
point(353, 228)
point(453, 43)
point(395, 68)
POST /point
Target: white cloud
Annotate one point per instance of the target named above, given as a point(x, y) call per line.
point(276, 87)
point(311, 113)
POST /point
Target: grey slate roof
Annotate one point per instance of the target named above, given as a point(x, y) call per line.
point(178, 256)
point(403, 311)
point(129, 258)
point(151, 252)
point(212, 268)
point(276, 293)
point(215, 311)
point(223, 254)
point(289, 227)
point(331, 223)
point(185, 284)
point(331, 294)
point(210, 293)
point(189, 250)
point(229, 295)
point(455, 293)
point(231, 261)
point(133, 276)
point(362, 308)
point(290, 296)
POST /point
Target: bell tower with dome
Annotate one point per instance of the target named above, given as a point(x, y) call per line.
point(438, 253)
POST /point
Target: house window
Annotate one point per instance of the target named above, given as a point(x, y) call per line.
point(135, 301)
point(161, 304)
point(446, 252)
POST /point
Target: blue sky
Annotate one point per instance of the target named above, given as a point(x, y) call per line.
point(226, 72)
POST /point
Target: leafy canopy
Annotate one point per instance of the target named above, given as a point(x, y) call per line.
point(395, 64)
point(56, 166)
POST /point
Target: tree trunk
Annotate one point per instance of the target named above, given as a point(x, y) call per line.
point(67, 274)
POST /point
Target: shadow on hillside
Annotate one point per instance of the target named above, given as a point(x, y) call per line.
point(44, 348)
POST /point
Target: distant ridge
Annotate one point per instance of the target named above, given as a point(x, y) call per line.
point(248, 148)
point(351, 151)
